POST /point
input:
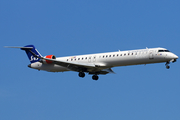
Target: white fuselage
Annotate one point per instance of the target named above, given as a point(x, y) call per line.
point(111, 59)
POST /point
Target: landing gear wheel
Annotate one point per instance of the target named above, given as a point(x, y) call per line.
point(81, 74)
point(167, 66)
point(95, 77)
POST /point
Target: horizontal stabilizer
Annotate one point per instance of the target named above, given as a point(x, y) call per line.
point(18, 47)
point(31, 52)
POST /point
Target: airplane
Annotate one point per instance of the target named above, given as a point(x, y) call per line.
point(97, 64)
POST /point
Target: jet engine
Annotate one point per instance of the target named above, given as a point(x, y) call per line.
point(49, 57)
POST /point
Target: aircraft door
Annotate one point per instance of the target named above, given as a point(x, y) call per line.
point(151, 56)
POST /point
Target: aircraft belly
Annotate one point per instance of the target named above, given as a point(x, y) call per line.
point(53, 68)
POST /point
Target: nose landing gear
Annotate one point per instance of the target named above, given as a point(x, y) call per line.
point(174, 60)
point(167, 65)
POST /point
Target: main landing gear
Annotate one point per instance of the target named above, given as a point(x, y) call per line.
point(94, 77)
point(81, 74)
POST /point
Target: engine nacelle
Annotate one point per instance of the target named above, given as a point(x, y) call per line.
point(49, 57)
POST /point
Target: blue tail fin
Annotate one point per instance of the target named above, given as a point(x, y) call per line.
point(29, 52)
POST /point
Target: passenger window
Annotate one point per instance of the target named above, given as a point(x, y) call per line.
point(106, 55)
point(117, 55)
point(82, 58)
point(67, 59)
point(103, 56)
point(78, 58)
point(109, 55)
point(124, 54)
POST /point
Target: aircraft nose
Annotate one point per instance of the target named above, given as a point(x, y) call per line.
point(29, 65)
point(176, 57)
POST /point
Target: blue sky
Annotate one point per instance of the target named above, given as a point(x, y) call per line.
point(64, 28)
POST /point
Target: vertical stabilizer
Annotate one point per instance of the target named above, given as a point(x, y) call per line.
point(29, 52)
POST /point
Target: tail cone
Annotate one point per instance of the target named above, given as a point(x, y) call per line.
point(29, 65)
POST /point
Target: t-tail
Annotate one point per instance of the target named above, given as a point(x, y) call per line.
point(31, 52)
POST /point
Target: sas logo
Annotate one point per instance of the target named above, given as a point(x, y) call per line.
point(34, 58)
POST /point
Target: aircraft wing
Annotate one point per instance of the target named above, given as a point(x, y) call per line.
point(91, 68)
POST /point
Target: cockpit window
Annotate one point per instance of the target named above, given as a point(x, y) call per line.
point(160, 50)
point(166, 50)
point(163, 51)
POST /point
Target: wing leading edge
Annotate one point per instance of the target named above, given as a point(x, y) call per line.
point(79, 67)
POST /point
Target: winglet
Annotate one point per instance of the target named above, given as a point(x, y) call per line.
point(109, 70)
